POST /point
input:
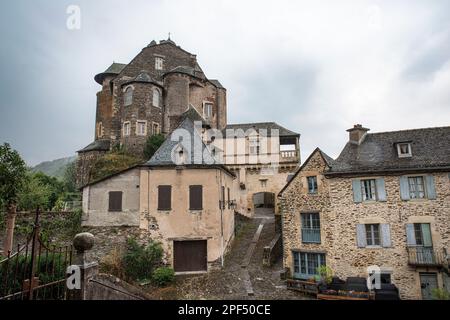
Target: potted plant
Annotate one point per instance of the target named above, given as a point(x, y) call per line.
point(324, 277)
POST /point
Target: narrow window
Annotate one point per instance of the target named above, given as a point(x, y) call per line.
point(228, 198)
point(128, 96)
point(100, 131)
point(115, 201)
point(416, 187)
point(368, 190)
point(126, 128)
point(207, 110)
point(156, 97)
point(253, 145)
point(195, 197)
point(141, 128)
point(155, 128)
point(159, 63)
point(164, 197)
point(373, 234)
point(312, 184)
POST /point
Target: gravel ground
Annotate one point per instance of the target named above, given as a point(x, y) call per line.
point(227, 283)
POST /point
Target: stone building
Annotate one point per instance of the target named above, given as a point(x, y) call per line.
point(156, 90)
point(384, 201)
point(148, 96)
point(184, 201)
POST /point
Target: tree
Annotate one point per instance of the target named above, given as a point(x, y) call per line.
point(152, 144)
point(70, 178)
point(12, 176)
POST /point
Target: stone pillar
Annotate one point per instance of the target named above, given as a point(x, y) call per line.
point(81, 267)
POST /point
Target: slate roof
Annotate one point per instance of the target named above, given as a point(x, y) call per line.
point(216, 83)
point(198, 154)
point(113, 69)
point(97, 145)
point(283, 132)
point(377, 152)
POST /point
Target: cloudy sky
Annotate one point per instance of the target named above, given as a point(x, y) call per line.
point(315, 67)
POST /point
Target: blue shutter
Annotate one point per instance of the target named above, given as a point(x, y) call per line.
point(410, 235)
point(361, 235)
point(357, 196)
point(431, 190)
point(404, 188)
point(426, 234)
point(386, 235)
point(381, 189)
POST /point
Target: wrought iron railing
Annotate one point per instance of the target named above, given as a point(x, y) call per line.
point(311, 235)
point(425, 256)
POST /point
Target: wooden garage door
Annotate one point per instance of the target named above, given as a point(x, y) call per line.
point(190, 256)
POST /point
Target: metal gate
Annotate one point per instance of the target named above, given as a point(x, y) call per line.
point(36, 271)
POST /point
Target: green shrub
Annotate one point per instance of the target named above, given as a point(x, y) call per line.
point(112, 163)
point(139, 261)
point(162, 276)
point(440, 294)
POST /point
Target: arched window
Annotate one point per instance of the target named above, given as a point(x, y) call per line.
point(156, 97)
point(128, 96)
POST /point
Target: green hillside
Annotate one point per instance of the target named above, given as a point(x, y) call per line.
point(55, 168)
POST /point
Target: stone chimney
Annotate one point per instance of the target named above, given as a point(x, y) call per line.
point(357, 133)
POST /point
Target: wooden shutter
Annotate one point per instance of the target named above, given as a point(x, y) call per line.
point(361, 235)
point(404, 188)
point(164, 197)
point(357, 196)
point(195, 197)
point(115, 201)
point(381, 189)
point(426, 235)
point(431, 190)
point(410, 235)
point(385, 235)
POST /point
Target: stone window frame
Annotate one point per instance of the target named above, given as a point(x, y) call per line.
point(400, 152)
point(369, 185)
point(159, 62)
point(153, 128)
point(158, 95)
point(208, 103)
point(416, 192)
point(373, 234)
point(100, 129)
point(315, 185)
point(128, 95)
point(123, 128)
point(137, 127)
point(319, 254)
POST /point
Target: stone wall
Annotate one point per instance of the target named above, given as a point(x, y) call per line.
point(296, 200)
point(339, 216)
point(84, 163)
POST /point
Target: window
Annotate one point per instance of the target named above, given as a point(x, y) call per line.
point(195, 197)
point(115, 201)
point(126, 128)
point(253, 145)
point(416, 188)
point(207, 110)
point(164, 197)
point(263, 183)
point(306, 264)
point(373, 235)
point(422, 233)
point(223, 197)
point(310, 227)
point(404, 150)
point(156, 97)
point(368, 190)
point(141, 128)
point(312, 184)
point(155, 128)
point(100, 131)
point(159, 63)
point(128, 96)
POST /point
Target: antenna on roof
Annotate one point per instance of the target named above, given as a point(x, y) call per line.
point(169, 36)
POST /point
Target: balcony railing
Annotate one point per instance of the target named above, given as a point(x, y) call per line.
point(425, 256)
point(310, 235)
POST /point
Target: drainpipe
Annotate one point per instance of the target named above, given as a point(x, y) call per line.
point(221, 220)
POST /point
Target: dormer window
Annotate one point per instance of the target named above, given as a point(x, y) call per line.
point(404, 150)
